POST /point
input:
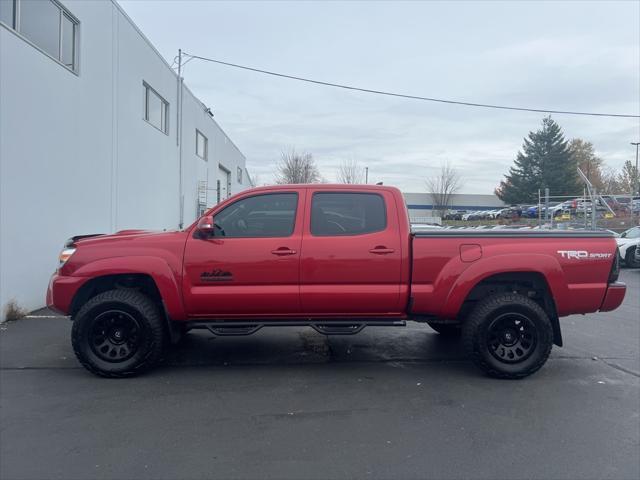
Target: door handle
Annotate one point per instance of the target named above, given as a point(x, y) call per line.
point(381, 250)
point(283, 251)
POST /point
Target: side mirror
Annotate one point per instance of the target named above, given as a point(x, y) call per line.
point(205, 226)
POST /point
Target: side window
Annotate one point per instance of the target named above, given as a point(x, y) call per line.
point(347, 213)
point(634, 233)
point(268, 215)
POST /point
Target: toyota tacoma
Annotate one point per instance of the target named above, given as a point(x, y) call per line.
point(336, 258)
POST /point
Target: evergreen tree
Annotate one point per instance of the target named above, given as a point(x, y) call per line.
point(544, 162)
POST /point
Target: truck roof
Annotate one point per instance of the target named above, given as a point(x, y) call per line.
point(322, 186)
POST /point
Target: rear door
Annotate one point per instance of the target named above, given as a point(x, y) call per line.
point(351, 259)
point(250, 267)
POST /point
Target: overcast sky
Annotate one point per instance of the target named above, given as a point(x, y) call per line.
point(578, 55)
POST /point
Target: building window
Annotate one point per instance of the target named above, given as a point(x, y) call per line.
point(239, 175)
point(7, 12)
point(202, 145)
point(47, 25)
point(156, 109)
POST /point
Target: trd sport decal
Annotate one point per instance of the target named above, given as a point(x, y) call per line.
point(216, 275)
point(582, 254)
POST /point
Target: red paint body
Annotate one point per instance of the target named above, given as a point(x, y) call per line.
point(390, 273)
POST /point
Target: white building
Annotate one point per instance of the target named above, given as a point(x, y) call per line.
point(89, 138)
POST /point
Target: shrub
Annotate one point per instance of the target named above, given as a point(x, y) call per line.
point(13, 311)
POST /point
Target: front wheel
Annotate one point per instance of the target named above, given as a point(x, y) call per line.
point(629, 258)
point(508, 336)
point(118, 333)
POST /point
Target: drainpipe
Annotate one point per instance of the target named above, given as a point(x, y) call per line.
point(179, 140)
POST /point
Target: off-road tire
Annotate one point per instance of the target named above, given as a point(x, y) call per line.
point(629, 259)
point(149, 324)
point(447, 330)
point(476, 335)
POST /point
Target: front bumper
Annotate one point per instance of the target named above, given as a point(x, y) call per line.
point(61, 291)
point(613, 297)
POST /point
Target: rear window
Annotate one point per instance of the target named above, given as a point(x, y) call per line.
point(347, 213)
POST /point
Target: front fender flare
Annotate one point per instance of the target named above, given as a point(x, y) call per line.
point(157, 268)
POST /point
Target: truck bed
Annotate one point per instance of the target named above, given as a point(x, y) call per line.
point(448, 263)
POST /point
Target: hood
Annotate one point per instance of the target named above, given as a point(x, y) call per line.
point(626, 241)
point(121, 234)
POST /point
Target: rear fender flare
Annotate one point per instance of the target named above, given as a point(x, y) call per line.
point(544, 265)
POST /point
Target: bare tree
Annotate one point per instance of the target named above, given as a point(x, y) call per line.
point(297, 168)
point(350, 172)
point(628, 178)
point(442, 186)
point(610, 182)
point(586, 159)
point(253, 179)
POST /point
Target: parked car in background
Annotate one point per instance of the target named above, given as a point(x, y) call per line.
point(530, 211)
point(454, 214)
point(471, 216)
point(628, 244)
point(614, 204)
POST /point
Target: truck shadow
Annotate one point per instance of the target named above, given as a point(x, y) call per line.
point(285, 346)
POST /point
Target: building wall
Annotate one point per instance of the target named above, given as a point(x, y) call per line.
point(76, 155)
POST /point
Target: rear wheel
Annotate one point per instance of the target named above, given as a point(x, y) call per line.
point(446, 329)
point(508, 336)
point(629, 258)
point(118, 333)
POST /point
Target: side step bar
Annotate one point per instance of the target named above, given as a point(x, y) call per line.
point(329, 327)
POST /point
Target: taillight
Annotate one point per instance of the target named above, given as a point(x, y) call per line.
point(615, 268)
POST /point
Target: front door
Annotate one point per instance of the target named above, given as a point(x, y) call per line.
point(224, 183)
point(351, 258)
point(250, 266)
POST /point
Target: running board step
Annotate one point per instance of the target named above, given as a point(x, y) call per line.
point(232, 328)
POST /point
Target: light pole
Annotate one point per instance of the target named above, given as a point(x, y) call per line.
point(637, 185)
point(637, 191)
point(366, 174)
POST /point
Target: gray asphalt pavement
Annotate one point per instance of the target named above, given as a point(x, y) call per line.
point(290, 403)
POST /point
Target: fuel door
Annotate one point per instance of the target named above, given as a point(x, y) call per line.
point(470, 252)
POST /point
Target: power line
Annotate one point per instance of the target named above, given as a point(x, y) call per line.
point(411, 97)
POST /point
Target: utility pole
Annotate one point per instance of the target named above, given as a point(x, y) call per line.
point(366, 172)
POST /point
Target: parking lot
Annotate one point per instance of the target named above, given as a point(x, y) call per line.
point(291, 403)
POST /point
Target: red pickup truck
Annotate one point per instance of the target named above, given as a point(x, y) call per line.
point(336, 258)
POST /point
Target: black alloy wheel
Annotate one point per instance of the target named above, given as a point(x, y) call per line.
point(511, 337)
point(115, 336)
point(508, 335)
point(119, 333)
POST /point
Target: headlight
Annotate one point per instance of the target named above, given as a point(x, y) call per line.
point(65, 254)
